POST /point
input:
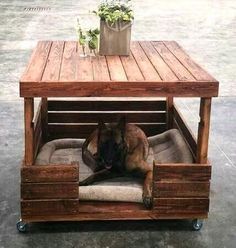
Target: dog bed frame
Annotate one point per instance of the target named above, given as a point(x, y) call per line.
point(50, 191)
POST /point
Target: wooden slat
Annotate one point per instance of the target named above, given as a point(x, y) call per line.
point(115, 67)
point(49, 173)
point(59, 190)
point(81, 117)
point(29, 130)
point(168, 189)
point(84, 68)
point(36, 66)
point(169, 110)
point(68, 66)
point(83, 131)
point(203, 130)
point(72, 88)
point(186, 172)
point(185, 130)
point(53, 66)
point(181, 205)
point(163, 69)
point(143, 62)
point(100, 69)
point(198, 72)
point(44, 114)
point(67, 105)
point(131, 68)
point(49, 207)
point(180, 71)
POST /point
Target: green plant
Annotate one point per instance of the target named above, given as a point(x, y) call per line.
point(92, 35)
point(113, 11)
point(81, 36)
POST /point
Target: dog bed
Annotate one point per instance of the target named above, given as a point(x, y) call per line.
point(168, 147)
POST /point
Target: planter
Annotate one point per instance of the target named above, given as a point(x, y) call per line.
point(115, 39)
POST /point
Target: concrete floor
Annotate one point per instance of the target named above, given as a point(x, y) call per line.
point(206, 29)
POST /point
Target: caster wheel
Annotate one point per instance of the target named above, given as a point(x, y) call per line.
point(21, 226)
point(197, 224)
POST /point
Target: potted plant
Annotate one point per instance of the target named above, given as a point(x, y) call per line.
point(115, 27)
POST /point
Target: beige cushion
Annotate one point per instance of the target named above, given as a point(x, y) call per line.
point(168, 147)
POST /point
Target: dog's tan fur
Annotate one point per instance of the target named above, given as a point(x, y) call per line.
point(135, 160)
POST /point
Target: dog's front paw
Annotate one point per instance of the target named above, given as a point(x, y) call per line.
point(147, 201)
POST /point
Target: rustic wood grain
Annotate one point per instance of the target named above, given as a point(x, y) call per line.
point(180, 71)
point(145, 66)
point(181, 205)
point(116, 69)
point(100, 69)
point(60, 190)
point(44, 116)
point(163, 69)
point(49, 173)
point(68, 66)
point(38, 60)
point(203, 130)
point(184, 189)
point(106, 105)
point(169, 110)
point(29, 130)
point(186, 172)
point(53, 66)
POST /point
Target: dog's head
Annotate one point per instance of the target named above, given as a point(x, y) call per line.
point(111, 145)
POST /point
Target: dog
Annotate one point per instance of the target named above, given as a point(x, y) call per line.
point(120, 149)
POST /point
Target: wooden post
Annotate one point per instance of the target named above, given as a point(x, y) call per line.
point(29, 130)
point(169, 112)
point(203, 130)
point(44, 116)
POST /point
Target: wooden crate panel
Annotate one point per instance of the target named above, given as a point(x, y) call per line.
point(181, 189)
point(49, 207)
point(185, 172)
point(49, 190)
point(49, 173)
point(181, 205)
point(72, 105)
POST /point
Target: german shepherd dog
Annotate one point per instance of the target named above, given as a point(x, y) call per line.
point(115, 150)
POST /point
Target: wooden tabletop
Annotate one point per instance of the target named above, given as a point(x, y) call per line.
point(154, 68)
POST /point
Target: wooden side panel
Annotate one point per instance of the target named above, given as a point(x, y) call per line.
point(184, 172)
point(60, 190)
point(49, 207)
point(37, 130)
point(49, 173)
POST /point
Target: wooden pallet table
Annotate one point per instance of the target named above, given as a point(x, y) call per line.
point(154, 69)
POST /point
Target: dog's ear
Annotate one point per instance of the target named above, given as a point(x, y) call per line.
point(122, 123)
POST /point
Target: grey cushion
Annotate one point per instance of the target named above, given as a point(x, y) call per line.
point(168, 147)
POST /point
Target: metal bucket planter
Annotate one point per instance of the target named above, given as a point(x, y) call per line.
point(115, 38)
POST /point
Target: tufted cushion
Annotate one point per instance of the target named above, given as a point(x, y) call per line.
point(168, 147)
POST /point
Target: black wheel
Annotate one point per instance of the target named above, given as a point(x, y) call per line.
point(197, 224)
point(21, 226)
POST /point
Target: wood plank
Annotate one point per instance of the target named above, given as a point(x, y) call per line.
point(83, 131)
point(100, 69)
point(29, 130)
point(49, 207)
point(203, 130)
point(198, 72)
point(53, 66)
point(185, 130)
point(180, 71)
point(169, 110)
point(182, 189)
point(146, 67)
point(44, 116)
point(106, 105)
point(38, 60)
point(84, 67)
point(164, 71)
point(181, 205)
point(131, 68)
point(68, 66)
point(59, 190)
point(81, 117)
point(186, 172)
point(49, 173)
point(115, 67)
point(120, 89)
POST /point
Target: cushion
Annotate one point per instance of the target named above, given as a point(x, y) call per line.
point(168, 147)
